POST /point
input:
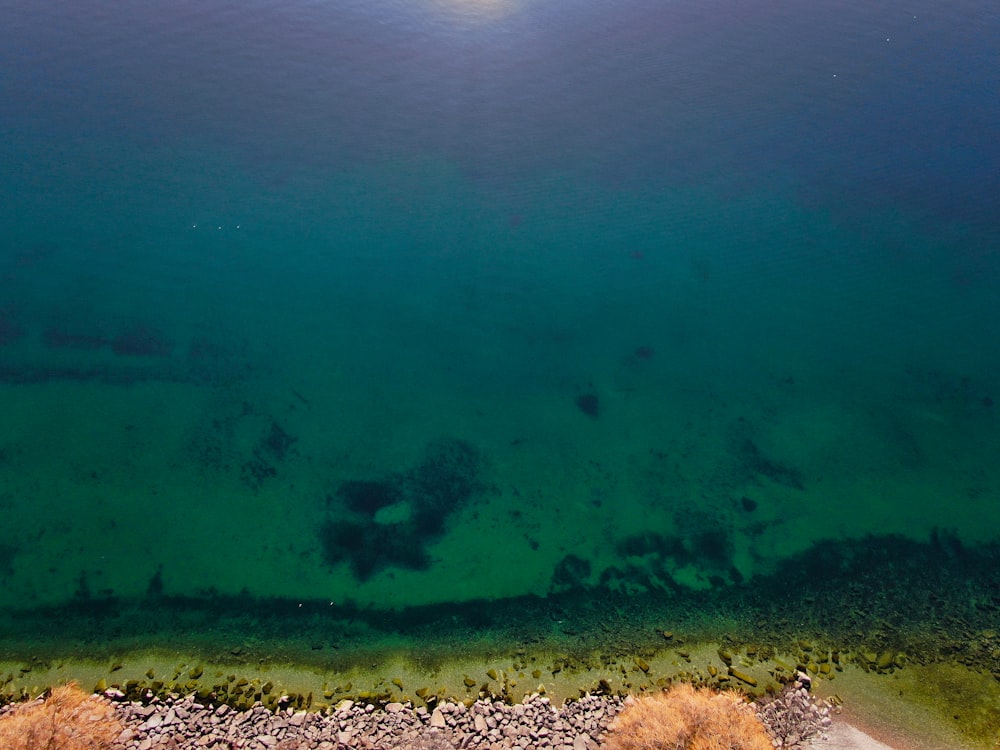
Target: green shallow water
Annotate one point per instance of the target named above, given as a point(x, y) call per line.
point(429, 439)
point(487, 433)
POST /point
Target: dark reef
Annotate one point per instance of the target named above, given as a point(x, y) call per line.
point(589, 404)
point(142, 341)
point(756, 464)
point(643, 353)
point(268, 454)
point(10, 330)
point(570, 573)
point(63, 338)
point(446, 480)
point(367, 497)
point(7, 554)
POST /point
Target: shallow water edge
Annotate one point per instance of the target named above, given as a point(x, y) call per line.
point(919, 616)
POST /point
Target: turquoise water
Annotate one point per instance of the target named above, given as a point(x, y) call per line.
point(390, 305)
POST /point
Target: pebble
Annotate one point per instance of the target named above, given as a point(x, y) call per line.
point(152, 722)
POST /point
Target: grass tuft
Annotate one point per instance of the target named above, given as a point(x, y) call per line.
point(68, 719)
point(688, 718)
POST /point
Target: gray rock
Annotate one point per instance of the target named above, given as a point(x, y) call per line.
point(152, 722)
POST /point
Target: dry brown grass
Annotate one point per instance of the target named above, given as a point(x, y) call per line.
point(69, 719)
point(686, 718)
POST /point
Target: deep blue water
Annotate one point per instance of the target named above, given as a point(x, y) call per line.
point(253, 253)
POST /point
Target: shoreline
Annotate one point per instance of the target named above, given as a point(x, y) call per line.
point(536, 723)
point(928, 707)
point(907, 709)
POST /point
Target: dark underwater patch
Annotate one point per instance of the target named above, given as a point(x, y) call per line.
point(570, 573)
point(255, 471)
point(142, 341)
point(143, 354)
point(367, 497)
point(446, 480)
point(754, 463)
point(654, 544)
point(276, 442)
point(7, 554)
point(369, 547)
point(708, 547)
point(268, 454)
point(10, 330)
point(589, 404)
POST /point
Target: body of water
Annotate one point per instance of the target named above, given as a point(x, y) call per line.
point(401, 307)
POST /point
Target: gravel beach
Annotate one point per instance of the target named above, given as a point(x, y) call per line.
point(180, 723)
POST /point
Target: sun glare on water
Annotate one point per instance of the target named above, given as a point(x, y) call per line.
point(477, 11)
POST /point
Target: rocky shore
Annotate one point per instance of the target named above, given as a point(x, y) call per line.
point(182, 723)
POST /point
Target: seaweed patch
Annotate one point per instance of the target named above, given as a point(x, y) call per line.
point(571, 573)
point(7, 554)
point(589, 404)
point(142, 341)
point(755, 463)
point(271, 449)
point(359, 527)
